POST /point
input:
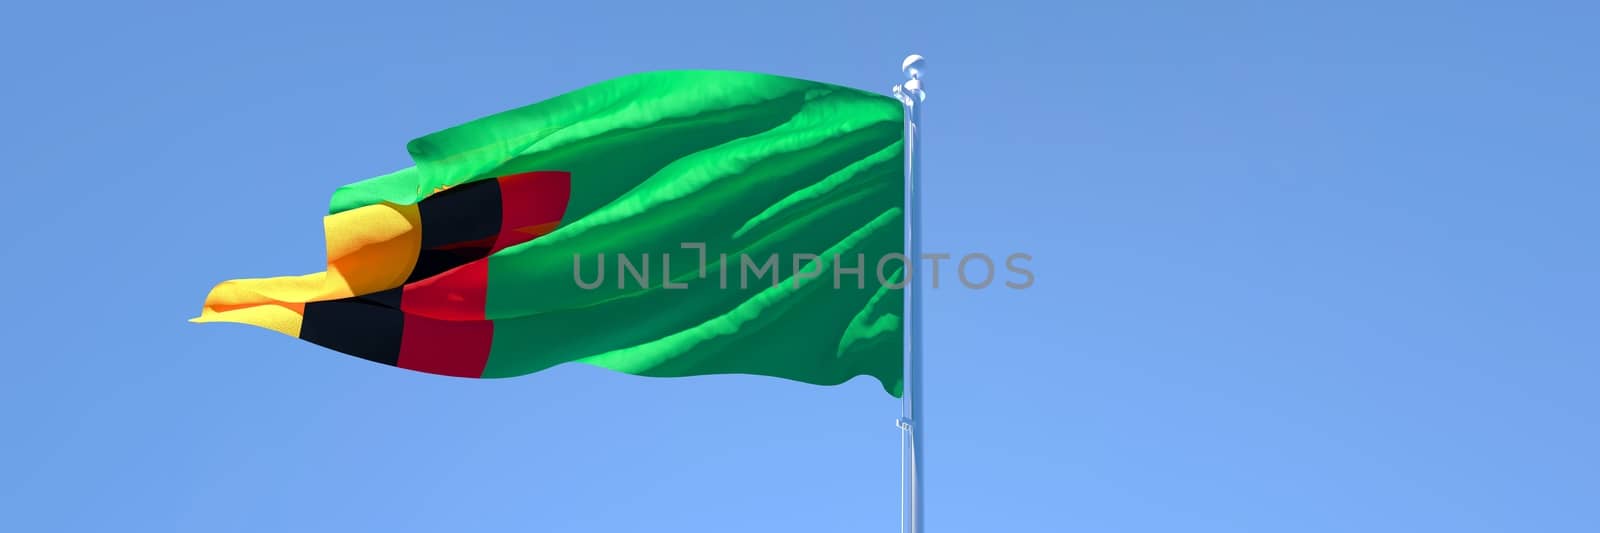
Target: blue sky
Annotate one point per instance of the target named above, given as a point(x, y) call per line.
point(1300, 268)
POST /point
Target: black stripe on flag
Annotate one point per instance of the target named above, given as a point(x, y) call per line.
point(363, 329)
point(459, 225)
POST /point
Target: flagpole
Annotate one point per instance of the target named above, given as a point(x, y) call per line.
point(912, 419)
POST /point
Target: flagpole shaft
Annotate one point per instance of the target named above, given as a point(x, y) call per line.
point(913, 419)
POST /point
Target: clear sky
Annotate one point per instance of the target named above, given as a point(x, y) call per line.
point(1306, 268)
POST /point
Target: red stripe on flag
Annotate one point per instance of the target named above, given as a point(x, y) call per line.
point(456, 294)
point(446, 347)
point(531, 204)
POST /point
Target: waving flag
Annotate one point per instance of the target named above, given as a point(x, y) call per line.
point(669, 223)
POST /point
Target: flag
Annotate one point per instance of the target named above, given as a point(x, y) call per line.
point(671, 223)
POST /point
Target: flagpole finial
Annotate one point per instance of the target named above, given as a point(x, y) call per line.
point(913, 66)
point(911, 91)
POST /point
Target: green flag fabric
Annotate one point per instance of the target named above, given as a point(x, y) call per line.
point(669, 223)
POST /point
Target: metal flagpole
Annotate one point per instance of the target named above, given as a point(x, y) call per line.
point(912, 420)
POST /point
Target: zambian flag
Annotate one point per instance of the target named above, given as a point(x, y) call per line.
point(670, 223)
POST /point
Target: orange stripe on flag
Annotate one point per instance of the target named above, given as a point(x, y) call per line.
point(370, 249)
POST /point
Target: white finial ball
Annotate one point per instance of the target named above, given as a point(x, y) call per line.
point(913, 66)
